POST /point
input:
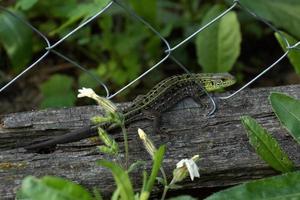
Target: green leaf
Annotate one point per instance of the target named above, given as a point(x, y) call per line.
point(145, 178)
point(121, 178)
point(85, 80)
point(107, 150)
point(82, 11)
point(158, 158)
point(135, 165)
point(145, 8)
point(287, 110)
point(57, 92)
point(16, 39)
point(283, 187)
point(161, 181)
point(175, 187)
point(294, 55)
point(183, 197)
point(97, 194)
point(26, 4)
point(52, 188)
point(218, 46)
point(116, 194)
point(283, 14)
point(266, 146)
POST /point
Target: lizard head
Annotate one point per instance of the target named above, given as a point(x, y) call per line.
point(215, 81)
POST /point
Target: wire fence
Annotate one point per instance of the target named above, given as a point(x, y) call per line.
point(50, 48)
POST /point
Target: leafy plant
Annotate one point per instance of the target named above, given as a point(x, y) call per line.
point(25, 4)
point(121, 178)
point(218, 46)
point(57, 91)
point(53, 188)
point(111, 146)
point(16, 39)
point(266, 146)
point(183, 197)
point(282, 14)
point(293, 55)
point(123, 182)
point(287, 110)
point(285, 186)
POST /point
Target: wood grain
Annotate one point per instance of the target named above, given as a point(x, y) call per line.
point(227, 157)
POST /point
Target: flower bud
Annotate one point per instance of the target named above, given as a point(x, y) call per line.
point(147, 143)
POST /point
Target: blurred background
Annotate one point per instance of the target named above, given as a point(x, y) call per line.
point(117, 48)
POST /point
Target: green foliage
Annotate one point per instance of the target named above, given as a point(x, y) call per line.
point(120, 48)
point(124, 186)
point(157, 162)
point(283, 14)
point(183, 197)
point(287, 109)
point(266, 146)
point(85, 80)
point(16, 39)
point(111, 146)
point(135, 165)
point(285, 187)
point(25, 4)
point(294, 55)
point(82, 11)
point(57, 92)
point(218, 46)
point(145, 8)
point(121, 178)
point(52, 188)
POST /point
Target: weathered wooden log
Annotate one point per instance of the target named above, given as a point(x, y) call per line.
point(220, 139)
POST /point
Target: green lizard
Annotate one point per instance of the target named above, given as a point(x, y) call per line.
point(160, 98)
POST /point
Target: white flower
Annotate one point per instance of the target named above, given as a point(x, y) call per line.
point(86, 92)
point(185, 167)
point(105, 103)
point(190, 165)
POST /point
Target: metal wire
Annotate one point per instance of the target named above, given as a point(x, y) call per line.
point(34, 63)
point(288, 47)
point(83, 69)
point(49, 48)
point(257, 77)
point(204, 27)
point(295, 46)
point(133, 14)
point(168, 51)
point(81, 25)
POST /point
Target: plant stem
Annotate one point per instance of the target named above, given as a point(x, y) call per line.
point(166, 187)
point(125, 145)
point(164, 174)
point(164, 192)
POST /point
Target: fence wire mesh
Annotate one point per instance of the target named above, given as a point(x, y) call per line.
point(168, 51)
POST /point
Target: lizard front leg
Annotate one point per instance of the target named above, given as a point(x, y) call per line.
point(155, 117)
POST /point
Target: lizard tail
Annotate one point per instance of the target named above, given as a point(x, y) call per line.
point(69, 137)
